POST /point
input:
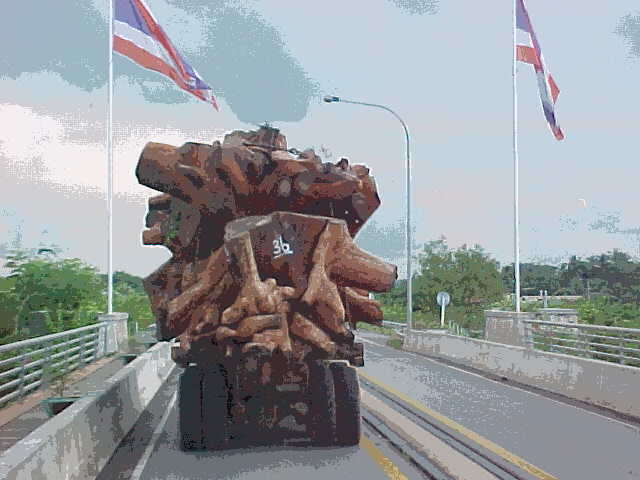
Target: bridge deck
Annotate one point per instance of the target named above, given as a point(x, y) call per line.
point(151, 451)
point(20, 418)
point(562, 439)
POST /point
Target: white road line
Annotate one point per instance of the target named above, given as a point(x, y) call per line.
point(509, 385)
point(137, 473)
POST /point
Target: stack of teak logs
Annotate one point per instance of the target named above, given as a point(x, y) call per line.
point(263, 257)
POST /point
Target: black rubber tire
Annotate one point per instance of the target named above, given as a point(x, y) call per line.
point(190, 409)
point(215, 396)
point(347, 394)
point(322, 403)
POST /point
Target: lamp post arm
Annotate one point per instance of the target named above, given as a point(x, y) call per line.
point(408, 229)
point(404, 125)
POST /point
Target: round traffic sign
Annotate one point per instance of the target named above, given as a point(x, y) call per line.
point(443, 298)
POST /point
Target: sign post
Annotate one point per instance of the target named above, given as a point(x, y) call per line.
point(443, 299)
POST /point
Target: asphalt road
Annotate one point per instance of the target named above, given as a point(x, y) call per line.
point(150, 451)
point(564, 440)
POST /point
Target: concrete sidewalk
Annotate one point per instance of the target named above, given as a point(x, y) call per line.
point(19, 419)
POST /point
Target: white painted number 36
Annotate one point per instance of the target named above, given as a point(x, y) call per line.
point(280, 247)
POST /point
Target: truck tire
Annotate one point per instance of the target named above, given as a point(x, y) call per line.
point(190, 409)
point(322, 404)
point(215, 396)
point(347, 394)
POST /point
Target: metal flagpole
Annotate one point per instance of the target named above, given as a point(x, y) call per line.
point(516, 215)
point(110, 166)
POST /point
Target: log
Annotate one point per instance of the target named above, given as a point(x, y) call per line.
point(360, 308)
point(263, 259)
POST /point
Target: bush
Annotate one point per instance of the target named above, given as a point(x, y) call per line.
point(395, 343)
point(8, 312)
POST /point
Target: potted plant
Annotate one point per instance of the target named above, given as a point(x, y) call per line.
point(59, 381)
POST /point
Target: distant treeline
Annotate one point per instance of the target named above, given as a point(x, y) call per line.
point(614, 274)
point(609, 283)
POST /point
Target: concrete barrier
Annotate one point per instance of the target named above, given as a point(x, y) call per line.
point(117, 330)
point(616, 387)
point(78, 442)
point(506, 327)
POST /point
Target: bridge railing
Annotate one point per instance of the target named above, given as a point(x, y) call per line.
point(452, 327)
point(613, 344)
point(398, 327)
point(28, 364)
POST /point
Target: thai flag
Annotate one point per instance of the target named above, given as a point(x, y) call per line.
point(532, 54)
point(137, 35)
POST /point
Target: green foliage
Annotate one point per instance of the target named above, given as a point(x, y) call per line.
point(533, 278)
point(60, 286)
point(136, 304)
point(395, 298)
point(606, 311)
point(613, 274)
point(395, 343)
point(469, 275)
point(123, 280)
point(375, 329)
point(72, 293)
point(8, 311)
point(6, 284)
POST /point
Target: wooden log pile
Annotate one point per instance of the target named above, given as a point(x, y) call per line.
point(263, 257)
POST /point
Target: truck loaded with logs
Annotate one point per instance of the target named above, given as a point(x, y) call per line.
point(264, 288)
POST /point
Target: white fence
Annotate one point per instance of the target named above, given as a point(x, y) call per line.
point(27, 364)
point(614, 344)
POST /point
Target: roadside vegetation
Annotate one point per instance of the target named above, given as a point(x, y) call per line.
point(68, 293)
point(63, 293)
point(608, 284)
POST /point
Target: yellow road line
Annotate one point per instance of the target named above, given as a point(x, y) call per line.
point(387, 466)
point(479, 439)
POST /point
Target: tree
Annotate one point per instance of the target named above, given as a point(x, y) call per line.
point(45, 282)
point(612, 274)
point(124, 282)
point(533, 278)
point(470, 276)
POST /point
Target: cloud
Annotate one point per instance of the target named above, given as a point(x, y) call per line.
point(246, 61)
point(65, 37)
point(417, 7)
point(629, 28)
point(237, 52)
point(55, 149)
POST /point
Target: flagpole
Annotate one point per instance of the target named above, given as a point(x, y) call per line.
point(516, 193)
point(110, 166)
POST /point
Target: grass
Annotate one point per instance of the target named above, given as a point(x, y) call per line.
point(395, 343)
point(375, 329)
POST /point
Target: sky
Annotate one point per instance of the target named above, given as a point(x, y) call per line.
point(443, 66)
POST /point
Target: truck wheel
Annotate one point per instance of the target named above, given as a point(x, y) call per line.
point(347, 393)
point(190, 409)
point(322, 403)
point(215, 396)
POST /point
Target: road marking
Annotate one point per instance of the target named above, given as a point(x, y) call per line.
point(447, 459)
point(137, 473)
point(509, 385)
point(486, 443)
point(388, 467)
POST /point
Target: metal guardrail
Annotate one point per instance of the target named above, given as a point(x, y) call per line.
point(26, 365)
point(399, 327)
point(394, 324)
point(613, 344)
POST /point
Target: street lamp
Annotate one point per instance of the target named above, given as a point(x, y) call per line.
point(331, 99)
